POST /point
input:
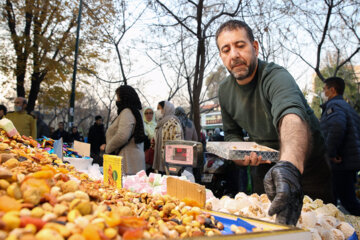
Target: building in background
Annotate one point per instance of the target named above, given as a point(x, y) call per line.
point(211, 117)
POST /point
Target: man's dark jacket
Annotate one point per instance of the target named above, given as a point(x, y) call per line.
point(61, 134)
point(96, 137)
point(340, 124)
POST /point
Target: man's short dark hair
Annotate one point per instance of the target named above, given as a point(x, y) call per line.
point(337, 83)
point(232, 25)
point(2, 107)
point(98, 117)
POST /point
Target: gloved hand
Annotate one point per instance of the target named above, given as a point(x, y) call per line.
point(282, 185)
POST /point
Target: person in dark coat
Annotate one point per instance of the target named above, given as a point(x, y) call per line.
point(75, 135)
point(187, 125)
point(340, 124)
point(61, 133)
point(41, 127)
point(96, 138)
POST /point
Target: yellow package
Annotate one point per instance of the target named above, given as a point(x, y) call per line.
point(112, 170)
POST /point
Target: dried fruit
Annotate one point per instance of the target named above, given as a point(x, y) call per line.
point(9, 204)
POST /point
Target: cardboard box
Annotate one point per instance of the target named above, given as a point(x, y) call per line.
point(82, 148)
point(112, 170)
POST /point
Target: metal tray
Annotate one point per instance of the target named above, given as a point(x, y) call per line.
point(238, 150)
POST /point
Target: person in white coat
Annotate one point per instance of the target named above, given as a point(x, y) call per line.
point(125, 136)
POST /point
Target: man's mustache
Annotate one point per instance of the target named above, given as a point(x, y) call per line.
point(237, 62)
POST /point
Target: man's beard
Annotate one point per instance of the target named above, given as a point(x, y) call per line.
point(250, 69)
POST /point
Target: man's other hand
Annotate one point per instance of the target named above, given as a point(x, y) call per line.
point(282, 185)
point(252, 160)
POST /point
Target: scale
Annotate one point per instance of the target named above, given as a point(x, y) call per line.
point(180, 154)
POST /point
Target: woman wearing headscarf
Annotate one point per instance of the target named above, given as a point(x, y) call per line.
point(125, 137)
point(187, 125)
point(168, 128)
point(150, 125)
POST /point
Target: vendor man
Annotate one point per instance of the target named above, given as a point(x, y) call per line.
point(264, 99)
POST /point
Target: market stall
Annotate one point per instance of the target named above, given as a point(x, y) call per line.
point(41, 197)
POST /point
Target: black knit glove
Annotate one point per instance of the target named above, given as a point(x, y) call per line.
point(282, 185)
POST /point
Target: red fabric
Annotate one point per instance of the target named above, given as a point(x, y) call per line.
point(149, 156)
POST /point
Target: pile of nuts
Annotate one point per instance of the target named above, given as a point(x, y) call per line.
point(42, 198)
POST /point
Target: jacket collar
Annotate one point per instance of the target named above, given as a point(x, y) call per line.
point(338, 97)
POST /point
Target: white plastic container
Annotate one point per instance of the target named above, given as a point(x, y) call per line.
point(79, 163)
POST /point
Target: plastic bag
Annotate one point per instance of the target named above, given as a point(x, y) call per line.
point(9, 127)
point(94, 172)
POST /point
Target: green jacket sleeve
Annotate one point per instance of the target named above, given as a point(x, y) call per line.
point(284, 95)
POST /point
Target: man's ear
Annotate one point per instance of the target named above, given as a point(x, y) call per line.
point(256, 47)
point(333, 91)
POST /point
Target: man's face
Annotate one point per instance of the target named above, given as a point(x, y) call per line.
point(1, 113)
point(98, 122)
point(74, 130)
point(19, 104)
point(329, 92)
point(238, 54)
point(61, 126)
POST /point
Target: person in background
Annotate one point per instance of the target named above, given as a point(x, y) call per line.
point(190, 134)
point(75, 135)
point(264, 99)
point(61, 133)
point(3, 111)
point(96, 138)
point(217, 137)
point(125, 137)
point(187, 125)
point(42, 128)
point(168, 128)
point(52, 130)
point(340, 124)
point(24, 122)
point(150, 125)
